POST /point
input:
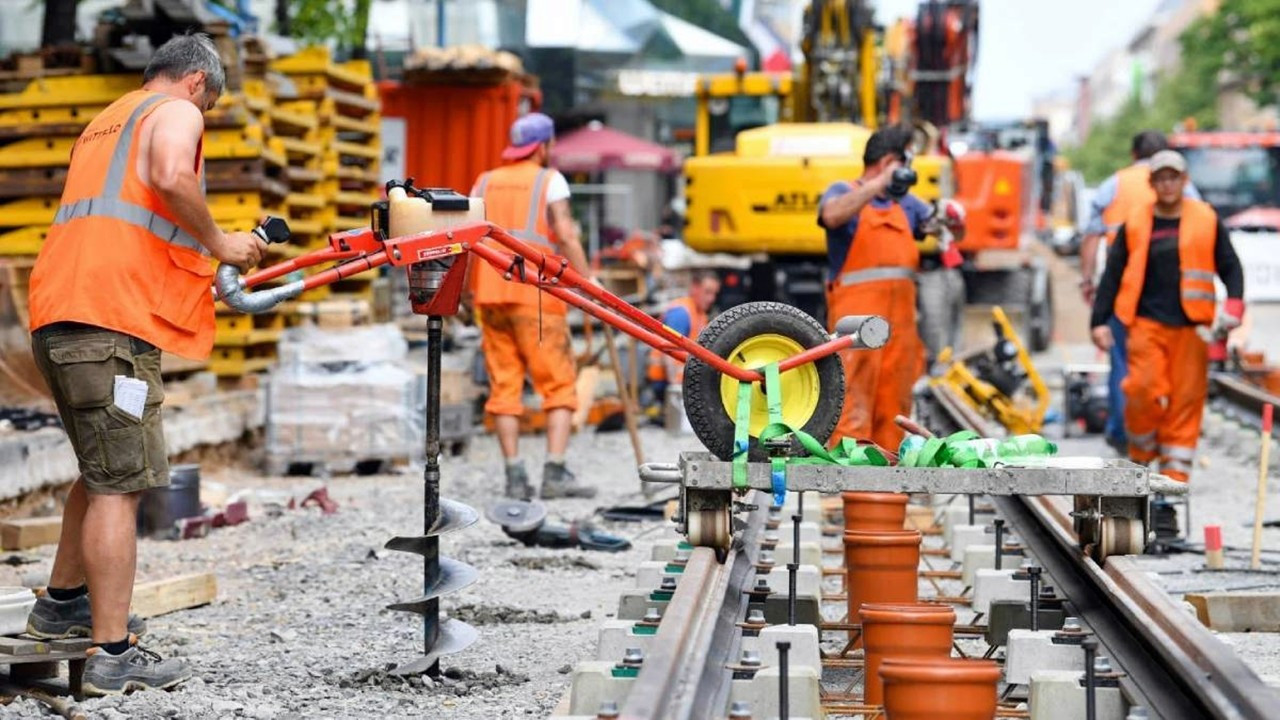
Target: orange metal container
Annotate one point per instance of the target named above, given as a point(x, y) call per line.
point(874, 512)
point(881, 567)
point(452, 132)
point(995, 189)
point(919, 630)
point(939, 689)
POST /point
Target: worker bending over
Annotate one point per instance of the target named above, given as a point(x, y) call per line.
point(1119, 195)
point(522, 330)
point(1159, 283)
point(871, 226)
point(687, 316)
point(122, 275)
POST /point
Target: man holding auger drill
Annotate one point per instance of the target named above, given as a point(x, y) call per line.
point(122, 275)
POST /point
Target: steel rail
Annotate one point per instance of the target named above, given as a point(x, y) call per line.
point(1173, 664)
point(1243, 395)
point(684, 676)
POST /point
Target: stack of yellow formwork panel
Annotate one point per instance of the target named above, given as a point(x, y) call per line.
point(40, 124)
point(244, 184)
point(346, 106)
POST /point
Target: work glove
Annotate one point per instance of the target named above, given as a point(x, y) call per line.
point(951, 213)
point(1230, 315)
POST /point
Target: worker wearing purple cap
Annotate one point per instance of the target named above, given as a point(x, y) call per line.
point(522, 333)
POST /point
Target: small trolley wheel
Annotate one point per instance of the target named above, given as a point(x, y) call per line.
point(754, 335)
point(1119, 536)
point(709, 528)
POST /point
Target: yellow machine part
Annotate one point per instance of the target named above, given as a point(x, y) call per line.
point(764, 197)
point(71, 91)
point(1017, 414)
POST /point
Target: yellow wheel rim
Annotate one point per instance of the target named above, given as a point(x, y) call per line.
point(800, 386)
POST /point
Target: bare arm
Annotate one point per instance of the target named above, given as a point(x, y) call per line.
point(176, 129)
point(567, 236)
point(1088, 258)
point(840, 210)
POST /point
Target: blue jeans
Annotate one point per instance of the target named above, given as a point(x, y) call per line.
point(1119, 369)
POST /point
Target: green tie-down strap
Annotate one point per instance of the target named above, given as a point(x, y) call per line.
point(952, 451)
point(846, 452)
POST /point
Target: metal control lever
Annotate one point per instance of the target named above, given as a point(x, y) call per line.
point(229, 285)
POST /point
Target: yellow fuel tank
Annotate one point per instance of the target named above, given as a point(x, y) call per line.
point(764, 196)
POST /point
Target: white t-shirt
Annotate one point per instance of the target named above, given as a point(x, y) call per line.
point(557, 187)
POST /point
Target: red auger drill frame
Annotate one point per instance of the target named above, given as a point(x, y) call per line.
point(363, 249)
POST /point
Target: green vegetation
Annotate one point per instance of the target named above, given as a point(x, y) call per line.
point(1238, 47)
point(322, 21)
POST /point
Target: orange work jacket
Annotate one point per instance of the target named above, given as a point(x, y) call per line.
point(515, 198)
point(115, 256)
point(1197, 236)
point(1133, 191)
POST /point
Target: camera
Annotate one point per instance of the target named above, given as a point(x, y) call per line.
point(902, 180)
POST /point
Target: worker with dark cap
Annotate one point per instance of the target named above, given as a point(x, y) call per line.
point(871, 226)
point(1119, 195)
point(522, 331)
point(1160, 284)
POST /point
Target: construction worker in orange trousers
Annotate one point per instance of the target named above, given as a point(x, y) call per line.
point(1128, 189)
point(1159, 283)
point(524, 331)
point(688, 316)
point(123, 274)
point(873, 259)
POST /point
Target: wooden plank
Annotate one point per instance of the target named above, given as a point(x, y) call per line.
point(1238, 611)
point(29, 532)
point(177, 593)
point(22, 646)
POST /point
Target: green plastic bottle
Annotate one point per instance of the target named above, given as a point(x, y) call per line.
point(986, 452)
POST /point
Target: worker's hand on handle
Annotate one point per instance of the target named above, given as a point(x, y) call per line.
point(1102, 337)
point(241, 249)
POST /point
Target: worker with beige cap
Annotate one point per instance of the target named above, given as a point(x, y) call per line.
point(1159, 283)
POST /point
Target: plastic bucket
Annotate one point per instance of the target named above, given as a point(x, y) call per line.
point(162, 507)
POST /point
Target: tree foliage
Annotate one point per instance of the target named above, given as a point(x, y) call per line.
point(1236, 47)
point(325, 21)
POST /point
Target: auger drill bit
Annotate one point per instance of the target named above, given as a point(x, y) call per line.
point(441, 575)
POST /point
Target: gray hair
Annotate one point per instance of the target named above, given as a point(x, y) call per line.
point(186, 54)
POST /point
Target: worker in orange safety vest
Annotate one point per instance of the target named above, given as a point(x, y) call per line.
point(523, 331)
point(872, 255)
point(687, 316)
point(123, 274)
point(1128, 189)
point(1160, 284)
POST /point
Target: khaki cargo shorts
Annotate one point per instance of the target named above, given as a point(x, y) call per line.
point(118, 453)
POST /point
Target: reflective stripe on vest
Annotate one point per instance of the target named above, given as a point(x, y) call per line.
point(872, 274)
point(108, 203)
point(530, 231)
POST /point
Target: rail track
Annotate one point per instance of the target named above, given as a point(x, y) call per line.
point(1167, 661)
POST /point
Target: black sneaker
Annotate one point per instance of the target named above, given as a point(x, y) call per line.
point(133, 669)
point(559, 482)
point(518, 486)
point(59, 619)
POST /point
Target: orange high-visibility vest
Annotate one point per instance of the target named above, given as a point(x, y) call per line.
point(1133, 191)
point(115, 256)
point(515, 198)
point(884, 248)
point(1197, 235)
point(697, 321)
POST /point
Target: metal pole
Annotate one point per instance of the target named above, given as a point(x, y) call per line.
point(1034, 572)
point(792, 568)
point(971, 513)
point(1090, 646)
point(431, 489)
point(784, 706)
point(439, 23)
point(999, 541)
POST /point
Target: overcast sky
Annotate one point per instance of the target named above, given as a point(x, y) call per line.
point(1029, 48)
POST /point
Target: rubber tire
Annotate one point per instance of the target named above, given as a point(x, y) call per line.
point(703, 405)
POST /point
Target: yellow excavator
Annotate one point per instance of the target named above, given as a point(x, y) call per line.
point(766, 146)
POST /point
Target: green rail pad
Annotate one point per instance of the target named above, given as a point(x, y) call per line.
point(673, 569)
point(660, 596)
point(621, 671)
point(644, 629)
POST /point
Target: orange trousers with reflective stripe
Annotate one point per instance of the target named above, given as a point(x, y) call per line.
point(877, 383)
point(1165, 394)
